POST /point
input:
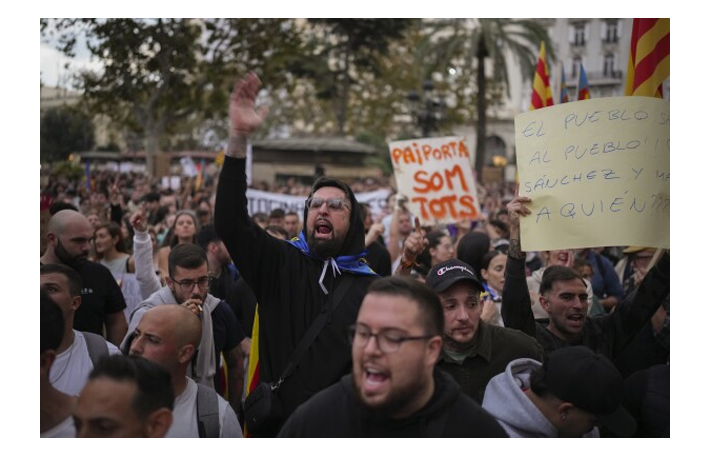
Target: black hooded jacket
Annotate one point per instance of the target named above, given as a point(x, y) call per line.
point(285, 283)
point(335, 412)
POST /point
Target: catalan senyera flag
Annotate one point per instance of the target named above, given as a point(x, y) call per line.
point(542, 95)
point(583, 87)
point(649, 57)
point(563, 88)
point(253, 374)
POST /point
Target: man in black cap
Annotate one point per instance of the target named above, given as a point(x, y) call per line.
point(319, 273)
point(570, 395)
point(474, 351)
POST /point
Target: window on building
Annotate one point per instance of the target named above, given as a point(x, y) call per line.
point(608, 68)
point(611, 32)
point(579, 40)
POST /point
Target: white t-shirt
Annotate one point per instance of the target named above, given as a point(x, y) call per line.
point(64, 429)
point(185, 424)
point(71, 368)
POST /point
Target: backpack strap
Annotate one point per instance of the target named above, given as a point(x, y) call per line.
point(207, 412)
point(96, 346)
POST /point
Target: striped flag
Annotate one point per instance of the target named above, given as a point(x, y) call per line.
point(563, 88)
point(542, 95)
point(649, 57)
point(253, 377)
point(583, 88)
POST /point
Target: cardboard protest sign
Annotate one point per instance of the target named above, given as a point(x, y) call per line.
point(436, 176)
point(597, 172)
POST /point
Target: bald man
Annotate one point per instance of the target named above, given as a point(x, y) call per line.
point(69, 239)
point(170, 335)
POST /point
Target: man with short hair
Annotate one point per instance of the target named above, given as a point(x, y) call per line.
point(169, 335)
point(55, 407)
point(474, 350)
point(293, 281)
point(222, 275)
point(572, 393)
point(187, 285)
point(79, 351)
point(69, 239)
point(564, 297)
point(292, 224)
point(276, 218)
point(394, 390)
point(125, 397)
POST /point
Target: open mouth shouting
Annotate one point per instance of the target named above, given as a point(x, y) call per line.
point(576, 320)
point(323, 229)
point(374, 380)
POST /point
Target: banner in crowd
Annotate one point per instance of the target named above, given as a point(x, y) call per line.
point(436, 176)
point(261, 201)
point(597, 172)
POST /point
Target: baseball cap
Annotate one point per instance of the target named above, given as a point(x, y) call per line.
point(591, 382)
point(443, 275)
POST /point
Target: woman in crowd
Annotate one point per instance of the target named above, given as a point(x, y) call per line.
point(110, 249)
point(183, 231)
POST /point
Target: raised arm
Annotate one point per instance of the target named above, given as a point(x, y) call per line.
point(144, 255)
point(516, 304)
point(413, 246)
point(248, 245)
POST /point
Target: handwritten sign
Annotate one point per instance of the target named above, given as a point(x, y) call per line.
point(597, 172)
point(436, 176)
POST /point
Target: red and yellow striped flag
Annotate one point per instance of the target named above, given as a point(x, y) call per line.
point(542, 95)
point(253, 374)
point(649, 57)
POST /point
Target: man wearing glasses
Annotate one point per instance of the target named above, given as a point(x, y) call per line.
point(187, 285)
point(321, 272)
point(394, 390)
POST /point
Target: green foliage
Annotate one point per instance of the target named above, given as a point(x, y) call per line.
point(467, 43)
point(160, 74)
point(64, 131)
point(341, 53)
point(382, 159)
point(68, 169)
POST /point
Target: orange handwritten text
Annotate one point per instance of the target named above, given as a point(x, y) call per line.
point(422, 154)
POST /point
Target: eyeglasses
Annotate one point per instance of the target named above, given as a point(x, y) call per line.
point(388, 341)
point(187, 285)
point(333, 204)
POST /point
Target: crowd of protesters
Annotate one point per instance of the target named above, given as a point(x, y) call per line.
point(263, 325)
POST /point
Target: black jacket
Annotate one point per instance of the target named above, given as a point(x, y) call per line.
point(285, 283)
point(335, 412)
point(607, 335)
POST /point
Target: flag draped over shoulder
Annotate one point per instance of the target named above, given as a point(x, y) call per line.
point(563, 88)
point(649, 57)
point(583, 87)
point(542, 95)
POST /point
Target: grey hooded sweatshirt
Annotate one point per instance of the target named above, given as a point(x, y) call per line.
point(513, 410)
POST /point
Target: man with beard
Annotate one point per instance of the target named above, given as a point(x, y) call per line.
point(474, 351)
point(564, 297)
point(394, 390)
point(187, 285)
point(319, 274)
point(69, 240)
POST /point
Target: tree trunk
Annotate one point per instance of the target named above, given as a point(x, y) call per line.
point(481, 55)
point(152, 149)
point(342, 113)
